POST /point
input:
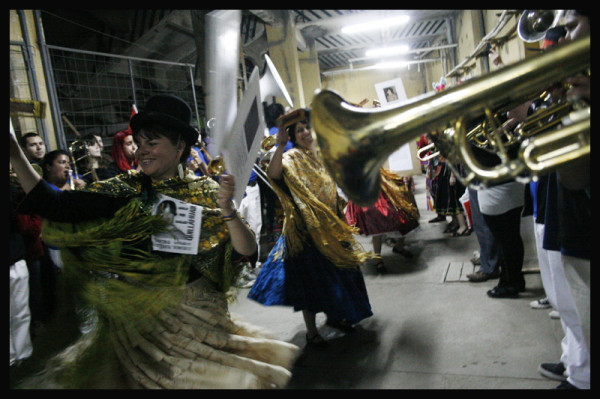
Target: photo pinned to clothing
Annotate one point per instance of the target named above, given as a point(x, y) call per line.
point(183, 233)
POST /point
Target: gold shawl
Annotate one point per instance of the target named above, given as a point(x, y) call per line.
point(111, 261)
point(394, 188)
point(311, 207)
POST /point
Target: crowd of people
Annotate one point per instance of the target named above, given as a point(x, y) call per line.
point(163, 309)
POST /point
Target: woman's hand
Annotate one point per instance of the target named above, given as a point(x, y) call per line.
point(282, 135)
point(225, 196)
point(242, 238)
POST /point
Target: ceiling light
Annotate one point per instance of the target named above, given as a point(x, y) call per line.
point(380, 23)
point(387, 51)
point(390, 64)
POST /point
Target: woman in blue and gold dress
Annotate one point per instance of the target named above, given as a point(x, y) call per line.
point(161, 317)
point(315, 264)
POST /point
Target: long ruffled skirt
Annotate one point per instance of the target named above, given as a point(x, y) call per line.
point(382, 217)
point(309, 281)
point(196, 345)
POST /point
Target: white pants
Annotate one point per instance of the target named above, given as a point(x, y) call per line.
point(251, 211)
point(577, 272)
point(20, 317)
point(575, 354)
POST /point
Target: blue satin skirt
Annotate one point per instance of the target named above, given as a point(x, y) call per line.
point(309, 281)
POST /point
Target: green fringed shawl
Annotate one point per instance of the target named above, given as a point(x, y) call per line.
point(111, 261)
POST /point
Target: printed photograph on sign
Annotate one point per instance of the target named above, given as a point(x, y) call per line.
point(390, 92)
point(183, 230)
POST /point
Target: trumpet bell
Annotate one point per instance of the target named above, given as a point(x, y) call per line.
point(533, 24)
point(269, 142)
point(355, 142)
point(216, 167)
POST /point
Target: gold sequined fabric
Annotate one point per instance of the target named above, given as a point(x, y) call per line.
point(310, 201)
point(398, 193)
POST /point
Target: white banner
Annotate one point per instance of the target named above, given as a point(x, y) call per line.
point(241, 148)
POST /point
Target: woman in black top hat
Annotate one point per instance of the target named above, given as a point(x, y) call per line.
point(164, 314)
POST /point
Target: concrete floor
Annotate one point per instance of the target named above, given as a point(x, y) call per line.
point(431, 329)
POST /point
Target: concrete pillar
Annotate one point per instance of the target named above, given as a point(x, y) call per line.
point(283, 52)
point(310, 71)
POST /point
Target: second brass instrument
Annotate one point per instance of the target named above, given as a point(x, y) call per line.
point(355, 142)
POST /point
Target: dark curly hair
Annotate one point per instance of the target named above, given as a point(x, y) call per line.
point(292, 128)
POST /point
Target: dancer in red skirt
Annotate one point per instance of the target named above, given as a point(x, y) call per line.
point(394, 212)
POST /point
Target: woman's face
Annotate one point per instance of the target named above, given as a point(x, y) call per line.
point(59, 170)
point(304, 137)
point(129, 147)
point(94, 150)
point(157, 156)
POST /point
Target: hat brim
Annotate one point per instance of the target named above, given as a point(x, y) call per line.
point(145, 119)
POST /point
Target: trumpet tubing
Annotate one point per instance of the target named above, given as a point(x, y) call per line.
point(544, 119)
point(428, 147)
point(355, 142)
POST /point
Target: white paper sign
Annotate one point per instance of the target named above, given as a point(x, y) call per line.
point(222, 54)
point(183, 233)
point(241, 149)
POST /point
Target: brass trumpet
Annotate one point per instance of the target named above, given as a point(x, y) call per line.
point(80, 147)
point(216, 166)
point(269, 142)
point(355, 142)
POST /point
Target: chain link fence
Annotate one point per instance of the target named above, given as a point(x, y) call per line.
point(95, 92)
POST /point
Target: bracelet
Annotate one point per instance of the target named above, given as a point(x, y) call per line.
point(229, 217)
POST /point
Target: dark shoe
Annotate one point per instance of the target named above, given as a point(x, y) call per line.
point(503, 292)
point(316, 342)
point(466, 232)
point(403, 252)
point(380, 268)
point(566, 385)
point(479, 277)
point(438, 219)
point(554, 371)
point(450, 228)
point(340, 325)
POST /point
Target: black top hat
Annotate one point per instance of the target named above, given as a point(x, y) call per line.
point(168, 111)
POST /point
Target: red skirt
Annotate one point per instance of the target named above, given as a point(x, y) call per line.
point(380, 218)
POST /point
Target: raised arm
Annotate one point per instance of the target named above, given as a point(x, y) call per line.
point(275, 169)
point(28, 177)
